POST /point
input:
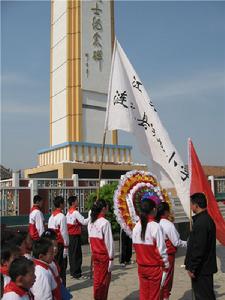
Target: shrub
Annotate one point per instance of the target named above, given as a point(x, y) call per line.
point(106, 193)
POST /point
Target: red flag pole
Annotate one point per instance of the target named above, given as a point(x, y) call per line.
point(190, 217)
point(190, 174)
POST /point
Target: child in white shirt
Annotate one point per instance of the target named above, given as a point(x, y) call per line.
point(45, 286)
point(21, 272)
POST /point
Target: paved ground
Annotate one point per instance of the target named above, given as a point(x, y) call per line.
point(124, 283)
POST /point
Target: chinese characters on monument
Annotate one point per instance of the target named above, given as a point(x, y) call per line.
point(97, 27)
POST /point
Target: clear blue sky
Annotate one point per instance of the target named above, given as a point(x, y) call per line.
point(177, 48)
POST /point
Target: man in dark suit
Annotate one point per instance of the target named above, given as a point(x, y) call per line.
point(200, 259)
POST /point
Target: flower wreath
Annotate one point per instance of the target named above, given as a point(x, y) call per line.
point(134, 186)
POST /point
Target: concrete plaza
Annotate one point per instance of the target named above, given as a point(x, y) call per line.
point(124, 283)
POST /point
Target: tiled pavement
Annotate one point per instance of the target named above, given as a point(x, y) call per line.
point(124, 283)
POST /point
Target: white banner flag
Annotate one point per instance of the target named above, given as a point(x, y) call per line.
point(130, 108)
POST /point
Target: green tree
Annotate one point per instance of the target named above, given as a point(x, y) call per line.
point(106, 193)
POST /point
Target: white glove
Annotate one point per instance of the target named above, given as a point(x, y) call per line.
point(164, 275)
point(89, 214)
point(65, 252)
point(110, 267)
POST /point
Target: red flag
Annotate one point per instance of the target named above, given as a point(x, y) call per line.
point(200, 184)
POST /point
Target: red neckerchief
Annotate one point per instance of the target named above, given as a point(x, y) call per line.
point(35, 207)
point(151, 218)
point(4, 270)
point(41, 263)
point(12, 287)
point(101, 215)
point(72, 209)
point(56, 211)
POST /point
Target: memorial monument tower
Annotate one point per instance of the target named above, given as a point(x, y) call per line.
point(82, 35)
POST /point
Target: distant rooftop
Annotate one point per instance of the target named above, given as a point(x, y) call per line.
point(217, 171)
point(5, 173)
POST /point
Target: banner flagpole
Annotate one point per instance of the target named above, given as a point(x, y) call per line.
point(107, 111)
point(99, 183)
point(101, 164)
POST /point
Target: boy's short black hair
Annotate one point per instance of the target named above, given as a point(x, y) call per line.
point(20, 267)
point(7, 250)
point(72, 199)
point(37, 199)
point(199, 199)
point(49, 234)
point(41, 247)
point(58, 201)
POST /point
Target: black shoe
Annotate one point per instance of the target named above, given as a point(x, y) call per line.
point(80, 277)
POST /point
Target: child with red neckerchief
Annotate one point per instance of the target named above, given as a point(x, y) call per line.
point(64, 293)
point(102, 248)
point(57, 222)
point(75, 221)
point(21, 272)
point(172, 241)
point(8, 253)
point(151, 255)
point(45, 286)
point(36, 218)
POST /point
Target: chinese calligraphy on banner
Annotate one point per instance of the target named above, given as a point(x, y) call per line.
point(130, 109)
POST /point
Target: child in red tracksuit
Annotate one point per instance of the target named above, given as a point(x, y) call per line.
point(45, 286)
point(172, 240)
point(102, 248)
point(62, 291)
point(150, 251)
point(74, 224)
point(22, 276)
point(8, 253)
point(57, 222)
point(50, 235)
point(36, 219)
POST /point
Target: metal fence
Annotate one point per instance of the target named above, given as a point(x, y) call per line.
point(81, 193)
point(11, 197)
point(11, 200)
point(9, 204)
point(219, 186)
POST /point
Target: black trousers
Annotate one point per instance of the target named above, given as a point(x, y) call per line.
point(75, 255)
point(62, 263)
point(126, 249)
point(203, 287)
